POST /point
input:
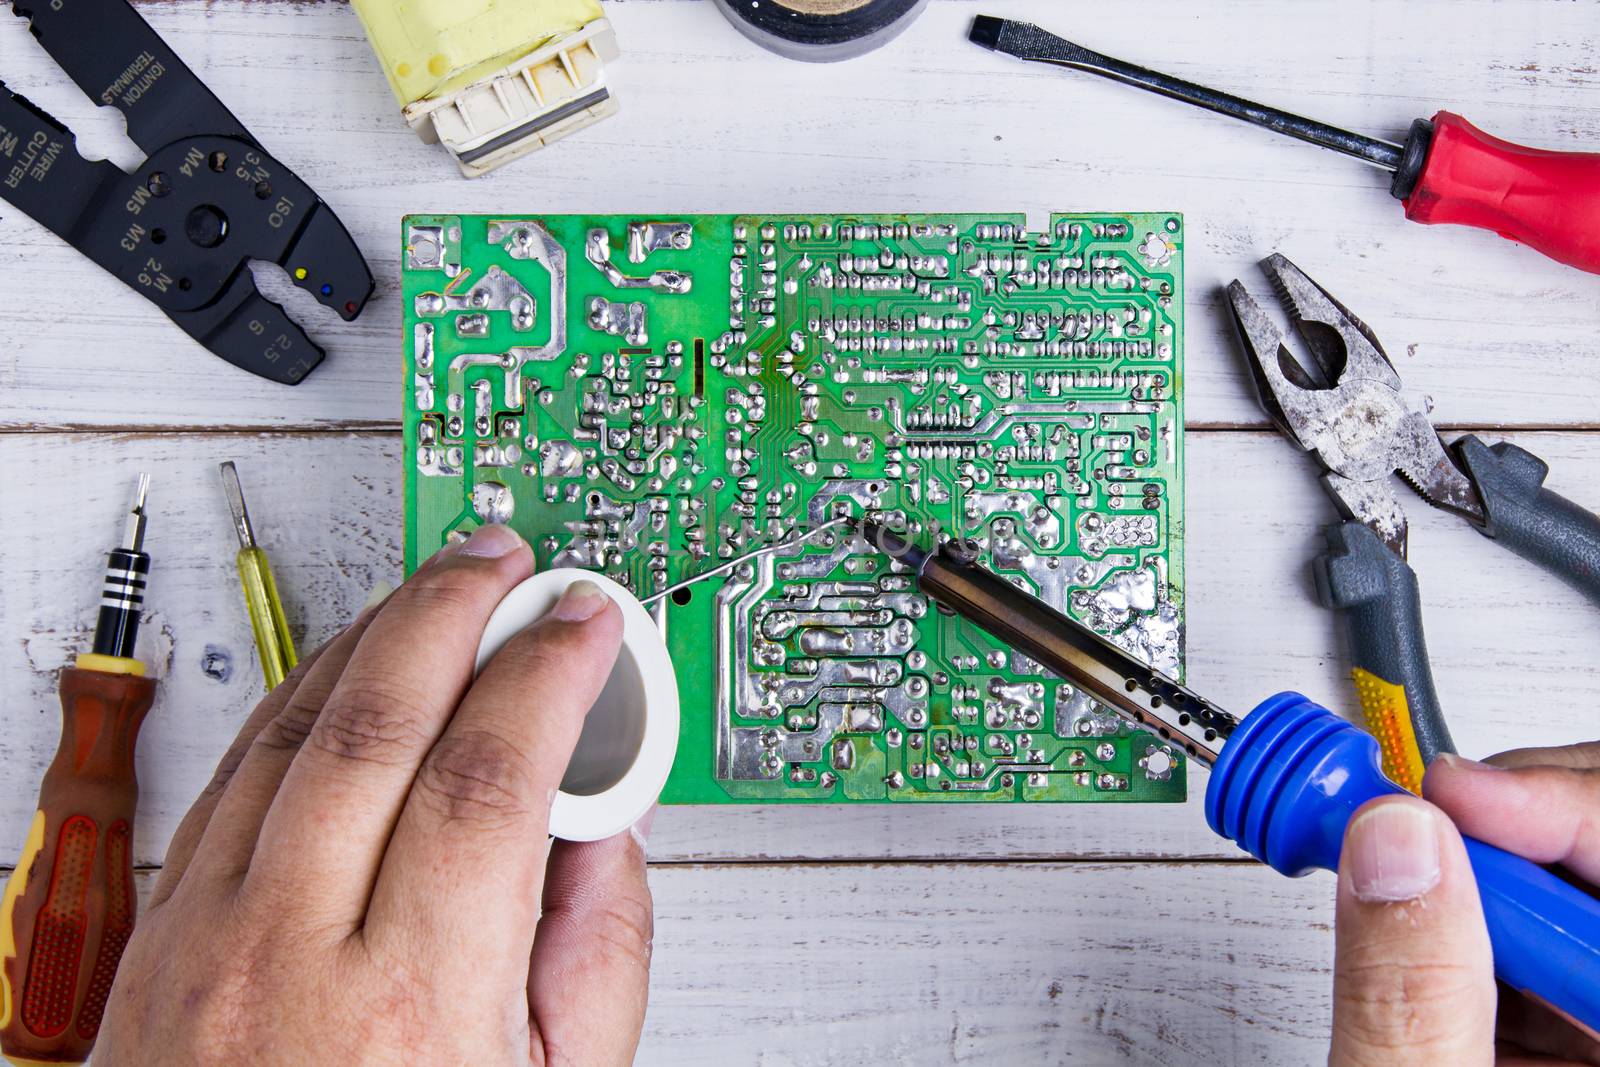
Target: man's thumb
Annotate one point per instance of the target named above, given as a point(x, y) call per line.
point(1413, 974)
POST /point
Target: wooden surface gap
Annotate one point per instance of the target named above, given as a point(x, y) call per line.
point(942, 862)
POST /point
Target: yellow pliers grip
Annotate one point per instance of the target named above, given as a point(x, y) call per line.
point(1369, 584)
point(1388, 718)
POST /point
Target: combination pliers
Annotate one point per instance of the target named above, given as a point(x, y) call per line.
point(1346, 407)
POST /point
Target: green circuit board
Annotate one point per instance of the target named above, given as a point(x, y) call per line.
point(666, 397)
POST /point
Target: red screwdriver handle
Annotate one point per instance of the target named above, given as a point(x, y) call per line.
point(1549, 201)
point(69, 908)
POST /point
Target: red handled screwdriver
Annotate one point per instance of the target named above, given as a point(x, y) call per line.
point(68, 907)
point(1448, 170)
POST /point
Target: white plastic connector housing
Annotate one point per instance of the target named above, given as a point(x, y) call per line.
point(542, 97)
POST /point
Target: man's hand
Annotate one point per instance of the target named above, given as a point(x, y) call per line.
point(363, 880)
point(1413, 976)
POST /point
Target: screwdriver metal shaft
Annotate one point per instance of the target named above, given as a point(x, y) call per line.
point(122, 596)
point(274, 643)
point(1027, 41)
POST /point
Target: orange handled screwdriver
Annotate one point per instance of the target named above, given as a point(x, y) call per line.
point(69, 906)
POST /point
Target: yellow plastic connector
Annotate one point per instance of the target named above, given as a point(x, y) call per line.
point(492, 80)
point(1388, 717)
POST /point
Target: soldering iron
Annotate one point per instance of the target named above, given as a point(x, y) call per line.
point(1285, 780)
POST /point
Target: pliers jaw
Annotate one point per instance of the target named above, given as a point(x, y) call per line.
point(1346, 406)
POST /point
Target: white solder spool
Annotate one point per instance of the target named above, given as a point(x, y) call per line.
point(631, 733)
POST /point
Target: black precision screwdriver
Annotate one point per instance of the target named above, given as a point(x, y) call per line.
point(1446, 171)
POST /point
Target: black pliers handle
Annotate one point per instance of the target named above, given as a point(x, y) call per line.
point(181, 229)
point(1346, 407)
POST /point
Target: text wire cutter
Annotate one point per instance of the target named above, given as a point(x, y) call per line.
point(180, 229)
point(1347, 409)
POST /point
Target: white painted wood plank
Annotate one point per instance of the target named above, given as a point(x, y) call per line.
point(1512, 648)
point(1010, 963)
point(711, 123)
point(926, 965)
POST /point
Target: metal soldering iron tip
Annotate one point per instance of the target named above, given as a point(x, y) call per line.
point(890, 543)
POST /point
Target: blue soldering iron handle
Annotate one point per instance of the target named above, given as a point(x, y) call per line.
point(1288, 782)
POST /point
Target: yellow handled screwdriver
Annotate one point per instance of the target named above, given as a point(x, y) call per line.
point(273, 643)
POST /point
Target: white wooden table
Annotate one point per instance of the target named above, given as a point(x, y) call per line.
point(806, 936)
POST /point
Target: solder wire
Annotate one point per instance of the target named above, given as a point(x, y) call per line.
point(724, 568)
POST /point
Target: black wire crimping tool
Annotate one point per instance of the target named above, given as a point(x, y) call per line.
point(179, 229)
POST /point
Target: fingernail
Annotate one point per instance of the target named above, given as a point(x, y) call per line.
point(640, 831)
point(582, 600)
point(1394, 853)
point(491, 542)
point(1462, 763)
point(445, 551)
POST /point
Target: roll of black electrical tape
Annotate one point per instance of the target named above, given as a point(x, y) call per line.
point(820, 31)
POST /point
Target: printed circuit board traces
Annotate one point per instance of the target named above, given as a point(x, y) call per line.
point(654, 396)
